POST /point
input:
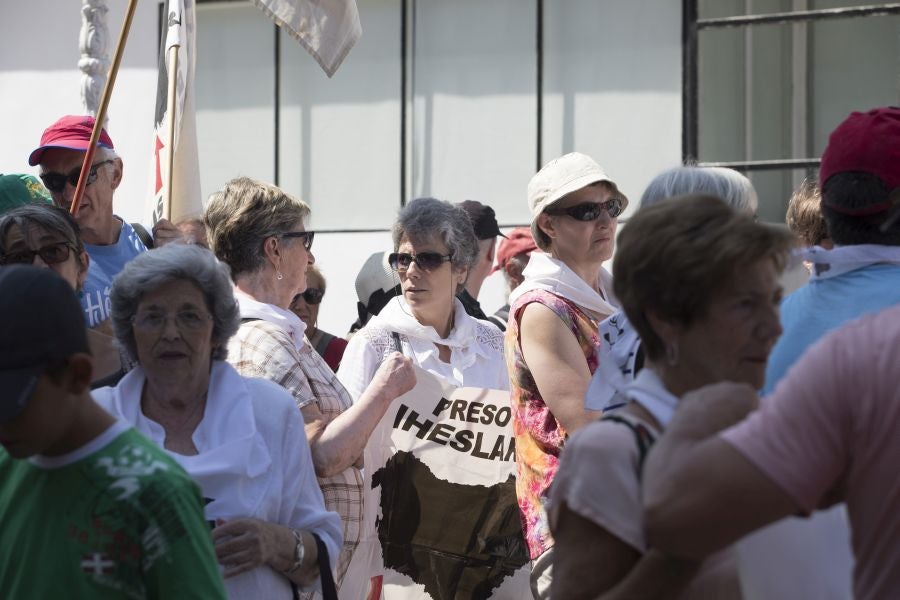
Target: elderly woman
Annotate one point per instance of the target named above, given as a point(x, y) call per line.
point(552, 330)
point(306, 306)
point(700, 283)
point(47, 236)
point(434, 247)
point(620, 355)
point(241, 439)
point(258, 230)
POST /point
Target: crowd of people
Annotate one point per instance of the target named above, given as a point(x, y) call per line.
point(175, 423)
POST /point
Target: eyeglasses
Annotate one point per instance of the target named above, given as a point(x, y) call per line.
point(51, 254)
point(56, 182)
point(590, 211)
point(312, 295)
point(427, 261)
point(186, 320)
point(306, 235)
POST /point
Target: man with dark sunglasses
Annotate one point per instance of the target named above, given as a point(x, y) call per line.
point(110, 241)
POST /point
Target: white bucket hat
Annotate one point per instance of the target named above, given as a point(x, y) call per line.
point(559, 177)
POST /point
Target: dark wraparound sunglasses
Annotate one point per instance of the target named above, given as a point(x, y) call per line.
point(590, 211)
point(56, 182)
point(306, 235)
point(427, 261)
point(51, 254)
point(311, 296)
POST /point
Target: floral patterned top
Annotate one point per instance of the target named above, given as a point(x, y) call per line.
point(539, 435)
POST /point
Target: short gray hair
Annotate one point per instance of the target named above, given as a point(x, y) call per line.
point(175, 262)
point(242, 215)
point(427, 218)
point(727, 184)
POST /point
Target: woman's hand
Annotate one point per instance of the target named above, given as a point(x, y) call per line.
point(246, 543)
point(394, 377)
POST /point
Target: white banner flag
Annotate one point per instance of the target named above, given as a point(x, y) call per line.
point(327, 29)
point(440, 471)
point(180, 32)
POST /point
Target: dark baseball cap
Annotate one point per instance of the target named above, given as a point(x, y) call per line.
point(484, 222)
point(42, 324)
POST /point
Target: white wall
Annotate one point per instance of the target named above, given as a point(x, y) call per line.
point(40, 82)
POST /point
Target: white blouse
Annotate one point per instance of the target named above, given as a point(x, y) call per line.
point(253, 461)
point(476, 349)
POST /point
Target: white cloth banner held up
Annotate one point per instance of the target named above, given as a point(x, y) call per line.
point(327, 29)
point(181, 32)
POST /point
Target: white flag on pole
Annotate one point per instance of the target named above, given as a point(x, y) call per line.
point(327, 29)
point(186, 201)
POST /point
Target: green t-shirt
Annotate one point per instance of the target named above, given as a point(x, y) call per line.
point(117, 519)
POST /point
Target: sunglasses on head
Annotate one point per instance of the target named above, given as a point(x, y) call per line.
point(590, 211)
point(306, 235)
point(427, 261)
point(311, 296)
point(56, 182)
point(51, 254)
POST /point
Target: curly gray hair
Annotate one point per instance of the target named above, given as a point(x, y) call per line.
point(175, 262)
point(428, 218)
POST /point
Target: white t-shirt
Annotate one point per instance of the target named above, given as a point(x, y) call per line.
point(611, 498)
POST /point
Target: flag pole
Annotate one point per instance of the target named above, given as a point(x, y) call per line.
point(101, 110)
point(170, 113)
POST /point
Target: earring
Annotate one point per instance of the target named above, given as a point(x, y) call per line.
point(672, 354)
point(278, 275)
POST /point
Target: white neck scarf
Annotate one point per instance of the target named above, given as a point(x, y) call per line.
point(230, 450)
point(648, 390)
point(550, 274)
point(843, 259)
point(254, 309)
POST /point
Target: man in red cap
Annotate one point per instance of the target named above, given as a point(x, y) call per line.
point(110, 241)
point(860, 182)
point(512, 258)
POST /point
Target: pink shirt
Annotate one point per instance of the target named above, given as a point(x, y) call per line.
point(831, 432)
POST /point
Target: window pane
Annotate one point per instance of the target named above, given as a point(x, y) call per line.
point(475, 108)
point(340, 137)
point(235, 79)
point(612, 86)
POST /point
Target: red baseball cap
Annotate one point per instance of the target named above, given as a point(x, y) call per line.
point(868, 142)
point(72, 132)
point(519, 241)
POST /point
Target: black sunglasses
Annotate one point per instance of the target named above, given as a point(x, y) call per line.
point(590, 211)
point(306, 235)
point(51, 254)
point(312, 295)
point(56, 182)
point(427, 261)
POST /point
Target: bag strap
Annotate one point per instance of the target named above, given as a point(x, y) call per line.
point(143, 235)
point(329, 591)
point(642, 436)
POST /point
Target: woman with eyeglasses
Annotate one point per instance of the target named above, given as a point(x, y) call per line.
point(241, 439)
point(47, 236)
point(552, 331)
point(306, 306)
point(434, 247)
point(258, 230)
